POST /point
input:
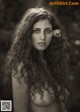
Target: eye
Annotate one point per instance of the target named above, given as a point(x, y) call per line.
point(36, 30)
point(48, 31)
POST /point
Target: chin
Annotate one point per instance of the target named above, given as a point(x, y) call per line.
point(42, 49)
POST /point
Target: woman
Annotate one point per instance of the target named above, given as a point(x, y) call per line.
point(37, 63)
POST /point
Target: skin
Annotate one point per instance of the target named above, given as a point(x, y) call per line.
point(41, 38)
point(21, 99)
point(42, 34)
point(19, 93)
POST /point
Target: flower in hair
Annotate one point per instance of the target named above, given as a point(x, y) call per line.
point(57, 33)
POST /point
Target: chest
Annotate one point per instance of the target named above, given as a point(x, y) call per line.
point(44, 99)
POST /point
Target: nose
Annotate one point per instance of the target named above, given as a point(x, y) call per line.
point(42, 36)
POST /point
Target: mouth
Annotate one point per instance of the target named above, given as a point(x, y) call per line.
point(41, 43)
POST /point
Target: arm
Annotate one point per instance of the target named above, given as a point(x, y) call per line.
point(20, 95)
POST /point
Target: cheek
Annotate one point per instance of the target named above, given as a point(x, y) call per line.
point(34, 39)
point(49, 38)
point(35, 36)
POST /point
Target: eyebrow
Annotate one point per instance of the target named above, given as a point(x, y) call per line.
point(48, 28)
point(45, 28)
point(36, 28)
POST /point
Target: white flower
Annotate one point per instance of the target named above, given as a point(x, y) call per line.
point(57, 33)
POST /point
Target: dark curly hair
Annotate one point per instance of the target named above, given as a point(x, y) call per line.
point(52, 69)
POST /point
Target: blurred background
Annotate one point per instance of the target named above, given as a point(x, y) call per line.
point(11, 12)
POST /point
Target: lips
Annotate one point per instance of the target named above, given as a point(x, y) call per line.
point(41, 43)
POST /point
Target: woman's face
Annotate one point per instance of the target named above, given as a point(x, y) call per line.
point(42, 34)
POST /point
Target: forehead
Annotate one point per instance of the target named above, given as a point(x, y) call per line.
point(44, 23)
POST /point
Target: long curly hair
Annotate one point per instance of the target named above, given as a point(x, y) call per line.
point(52, 69)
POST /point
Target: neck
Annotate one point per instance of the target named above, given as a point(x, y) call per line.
point(41, 54)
